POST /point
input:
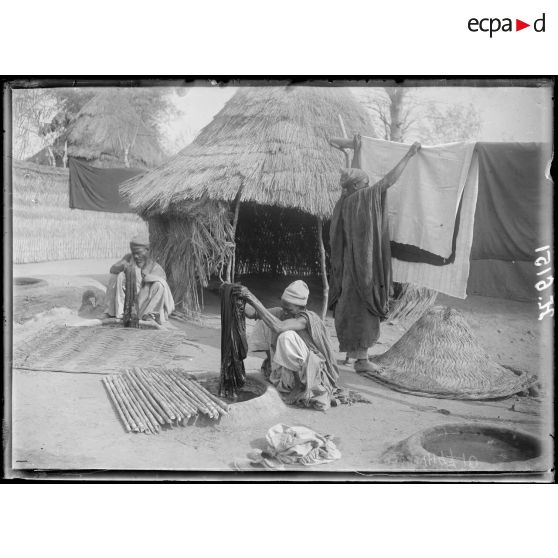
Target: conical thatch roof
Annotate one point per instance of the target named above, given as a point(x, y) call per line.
point(273, 140)
point(439, 356)
point(109, 123)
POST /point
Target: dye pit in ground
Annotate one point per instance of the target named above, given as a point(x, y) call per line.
point(250, 390)
point(486, 447)
point(28, 282)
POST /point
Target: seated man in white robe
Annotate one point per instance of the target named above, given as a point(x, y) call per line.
point(154, 301)
point(302, 363)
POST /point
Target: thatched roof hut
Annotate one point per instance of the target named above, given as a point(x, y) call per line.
point(110, 131)
point(268, 150)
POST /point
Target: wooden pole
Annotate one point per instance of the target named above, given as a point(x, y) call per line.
point(325, 284)
point(232, 261)
point(343, 144)
point(345, 152)
point(117, 406)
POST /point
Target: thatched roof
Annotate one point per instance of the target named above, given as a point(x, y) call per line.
point(109, 122)
point(273, 140)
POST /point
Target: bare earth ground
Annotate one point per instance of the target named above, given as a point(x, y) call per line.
point(65, 420)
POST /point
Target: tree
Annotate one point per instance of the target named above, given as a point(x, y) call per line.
point(403, 115)
point(123, 125)
point(32, 109)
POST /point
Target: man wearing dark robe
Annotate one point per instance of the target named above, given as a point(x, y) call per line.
point(361, 260)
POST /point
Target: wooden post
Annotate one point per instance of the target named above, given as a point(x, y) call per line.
point(231, 262)
point(325, 292)
point(345, 152)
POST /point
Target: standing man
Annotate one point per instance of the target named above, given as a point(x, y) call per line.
point(154, 299)
point(361, 260)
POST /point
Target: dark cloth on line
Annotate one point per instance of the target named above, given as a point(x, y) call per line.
point(96, 189)
point(513, 194)
point(234, 345)
point(360, 267)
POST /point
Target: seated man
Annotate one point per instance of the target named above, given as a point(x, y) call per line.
point(154, 299)
point(298, 347)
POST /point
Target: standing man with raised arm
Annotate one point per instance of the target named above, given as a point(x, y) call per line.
point(361, 259)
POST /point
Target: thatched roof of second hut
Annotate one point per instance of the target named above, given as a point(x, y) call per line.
point(273, 140)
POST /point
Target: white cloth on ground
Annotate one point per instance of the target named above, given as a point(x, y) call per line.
point(295, 445)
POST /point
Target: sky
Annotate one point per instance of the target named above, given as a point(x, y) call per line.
point(506, 113)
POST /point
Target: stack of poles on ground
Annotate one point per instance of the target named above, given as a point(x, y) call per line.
point(147, 399)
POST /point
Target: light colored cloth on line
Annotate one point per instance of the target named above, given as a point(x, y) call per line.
point(422, 205)
point(450, 279)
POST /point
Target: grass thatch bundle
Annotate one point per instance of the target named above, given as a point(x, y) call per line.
point(192, 247)
point(411, 303)
point(439, 356)
point(110, 130)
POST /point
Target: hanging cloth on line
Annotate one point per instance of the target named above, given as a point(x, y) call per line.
point(234, 346)
point(96, 189)
point(423, 204)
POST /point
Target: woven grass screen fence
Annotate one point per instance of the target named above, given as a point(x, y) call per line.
point(195, 245)
point(277, 241)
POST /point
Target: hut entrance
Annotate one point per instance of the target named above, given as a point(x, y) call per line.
point(276, 241)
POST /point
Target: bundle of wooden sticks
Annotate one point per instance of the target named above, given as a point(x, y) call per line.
point(147, 399)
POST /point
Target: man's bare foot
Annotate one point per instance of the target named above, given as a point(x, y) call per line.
point(364, 365)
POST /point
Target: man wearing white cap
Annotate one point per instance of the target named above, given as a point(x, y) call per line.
point(296, 341)
point(154, 299)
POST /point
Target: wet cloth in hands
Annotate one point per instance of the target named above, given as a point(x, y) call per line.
point(234, 346)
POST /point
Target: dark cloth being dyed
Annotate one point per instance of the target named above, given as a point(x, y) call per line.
point(96, 189)
point(360, 267)
point(234, 345)
point(130, 318)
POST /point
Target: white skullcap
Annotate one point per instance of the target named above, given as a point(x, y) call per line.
point(296, 293)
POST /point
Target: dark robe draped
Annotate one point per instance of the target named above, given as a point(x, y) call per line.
point(360, 267)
